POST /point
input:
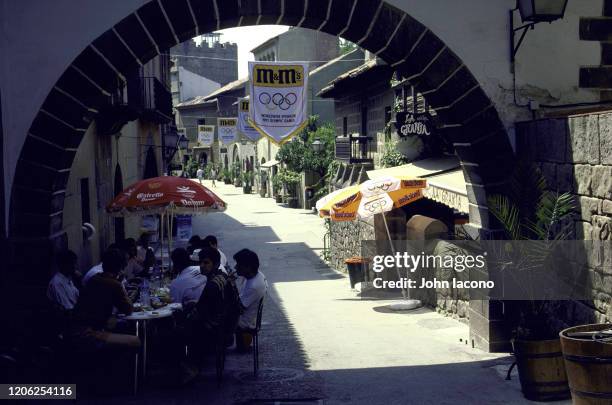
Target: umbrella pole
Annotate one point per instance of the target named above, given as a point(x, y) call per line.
point(404, 292)
point(161, 245)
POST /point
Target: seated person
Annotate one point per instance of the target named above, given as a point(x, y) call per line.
point(252, 291)
point(211, 241)
point(61, 290)
point(194, 243)
point(94, 308)
point(145, 255)
point(97, 269)
point(133, 267)
point(188, 286)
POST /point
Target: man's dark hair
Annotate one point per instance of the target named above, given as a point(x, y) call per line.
point(210, 253)
point(180, 258)
point(210, 240)
point(66, 259)
point(247, 257)
point(113, 261)
point(194, 240)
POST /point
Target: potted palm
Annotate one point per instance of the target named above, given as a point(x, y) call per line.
point(227, 179)
point(529, 211)
point(247, 182)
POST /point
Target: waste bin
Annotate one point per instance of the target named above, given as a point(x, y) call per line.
point(357, 268)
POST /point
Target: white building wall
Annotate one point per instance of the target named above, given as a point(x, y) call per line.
point(191, 85)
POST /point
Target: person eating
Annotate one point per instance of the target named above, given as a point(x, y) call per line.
point(190, 282)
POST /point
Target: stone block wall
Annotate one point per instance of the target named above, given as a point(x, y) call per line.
point(346, 240)
point(575, 155)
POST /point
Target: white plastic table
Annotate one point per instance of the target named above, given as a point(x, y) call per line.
point(140, 319)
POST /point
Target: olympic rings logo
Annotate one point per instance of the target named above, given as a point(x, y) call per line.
point(277, 100)
point(375, 205)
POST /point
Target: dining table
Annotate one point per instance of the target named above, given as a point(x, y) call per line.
point(141, 318)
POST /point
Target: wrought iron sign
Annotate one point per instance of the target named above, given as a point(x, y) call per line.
point(410, 124)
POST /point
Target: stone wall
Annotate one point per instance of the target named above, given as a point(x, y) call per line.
point(575, 155)
point(346, 240)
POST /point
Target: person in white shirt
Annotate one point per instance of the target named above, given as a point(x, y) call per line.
point(188, 286)
point(211, 241)
point(97, 269)
point(251, 293)
point(200, 174)
point(61, 290)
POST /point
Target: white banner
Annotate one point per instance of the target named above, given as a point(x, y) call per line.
point(244, 127)
point(206, 135)
point(278, 98)
point(228, 132)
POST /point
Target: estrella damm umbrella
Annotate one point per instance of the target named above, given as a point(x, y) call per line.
point(370, 197)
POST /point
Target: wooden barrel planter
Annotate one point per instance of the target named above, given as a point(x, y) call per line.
point(541, 369)
point(589, 365)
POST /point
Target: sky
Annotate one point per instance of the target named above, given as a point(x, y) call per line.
point(248, 38)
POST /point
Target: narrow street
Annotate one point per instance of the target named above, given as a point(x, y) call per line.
point(320, 343)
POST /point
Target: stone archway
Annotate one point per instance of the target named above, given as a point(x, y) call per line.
point(471, 121)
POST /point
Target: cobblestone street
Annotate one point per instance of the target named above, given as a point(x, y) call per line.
point(320, 343)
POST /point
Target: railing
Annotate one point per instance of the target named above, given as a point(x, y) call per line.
point(354, 149)
point(151, 97)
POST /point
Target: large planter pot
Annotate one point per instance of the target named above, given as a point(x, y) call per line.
point(246, 189)
point(357, 268)
point(589, 365)
point(279, 198)
point(227, 181)
point(541, 369)
point(292, 202)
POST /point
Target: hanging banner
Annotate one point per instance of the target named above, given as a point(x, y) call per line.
point(183, 227)
point(206, 135)
point(278, 99)
point(228, 132)
point(244, 127)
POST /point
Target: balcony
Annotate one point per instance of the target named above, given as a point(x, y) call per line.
point(354, 148)
point(146, 98)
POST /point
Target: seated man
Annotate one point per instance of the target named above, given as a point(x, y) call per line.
point(211, 241)
point(188, 286)
point(252, 291)
point(61, 290)
point(133, 267)
point(94, 307)
point(97, 269)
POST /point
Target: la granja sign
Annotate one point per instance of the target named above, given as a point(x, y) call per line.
point(409, 124)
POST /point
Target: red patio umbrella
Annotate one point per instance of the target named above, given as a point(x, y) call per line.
point(166, 196)
point(163, 195)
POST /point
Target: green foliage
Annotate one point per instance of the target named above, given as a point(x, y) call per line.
point(298, 155)
point(391, 157)
point(529, 211)
point(191, 167)
point(226, 174)
point(248, 178)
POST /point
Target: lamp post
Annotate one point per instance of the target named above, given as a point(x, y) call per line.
point(533, 12)
point(318, 146)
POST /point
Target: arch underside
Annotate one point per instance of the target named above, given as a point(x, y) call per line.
point(470, 119)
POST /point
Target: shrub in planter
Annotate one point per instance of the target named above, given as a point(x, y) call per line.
point(279, 198)
point(292, 202)
point(530, 211)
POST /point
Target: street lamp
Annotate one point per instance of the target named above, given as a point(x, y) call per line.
point(533, 12)
point(183, 142)
point(318, 146)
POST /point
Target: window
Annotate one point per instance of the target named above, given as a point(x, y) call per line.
point(345, 126)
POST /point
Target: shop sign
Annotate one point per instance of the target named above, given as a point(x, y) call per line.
point(410, 124)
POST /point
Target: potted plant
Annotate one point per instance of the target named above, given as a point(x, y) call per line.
point(289, 181)
point(277, 186)
point(227, 179)
point(237, 175)
point(530, 211)
point(247, 182)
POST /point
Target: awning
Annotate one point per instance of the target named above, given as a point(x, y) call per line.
point(448, 189)
point(419, 168)
point(269, 164)
point(445, 181)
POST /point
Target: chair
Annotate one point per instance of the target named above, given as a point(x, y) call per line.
point(255, 335)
